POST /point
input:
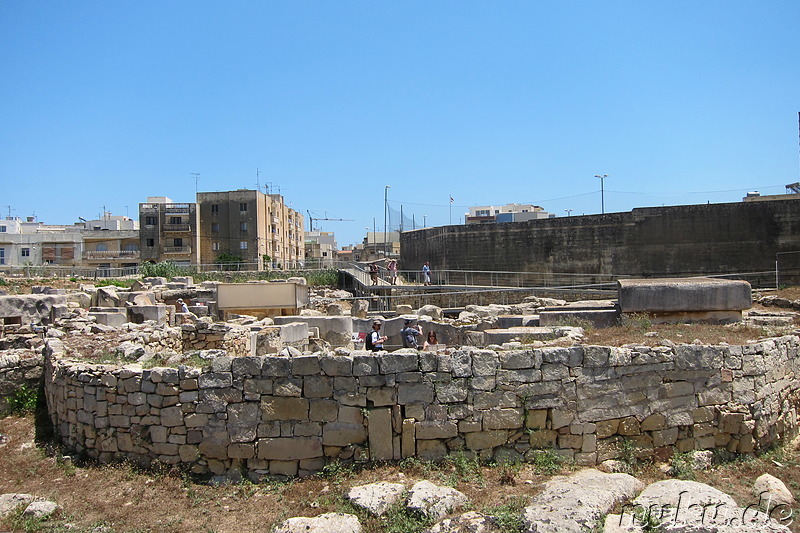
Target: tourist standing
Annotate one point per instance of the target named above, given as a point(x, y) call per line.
point(426, 273)
point(392, 268)
point(376, 337)
point(373, 273)
point(410, 333)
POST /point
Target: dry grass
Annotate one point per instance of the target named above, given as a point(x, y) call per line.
point(123, 499)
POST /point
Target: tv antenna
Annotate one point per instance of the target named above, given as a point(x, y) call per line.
point(196, 179)
point(312, 219)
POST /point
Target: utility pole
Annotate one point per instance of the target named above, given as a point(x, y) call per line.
point(385, 215)
point(569, 211)
point(602, 194)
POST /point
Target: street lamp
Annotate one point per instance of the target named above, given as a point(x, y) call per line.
point(569, 211)
point(385, 215)
point(602, 194)
point(424, 221)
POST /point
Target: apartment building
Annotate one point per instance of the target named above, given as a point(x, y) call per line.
point(108, 242)
point(321, 249)
point(168, 231)
point(252, 226)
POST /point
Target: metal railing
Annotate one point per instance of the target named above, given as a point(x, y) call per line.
point(111, 254)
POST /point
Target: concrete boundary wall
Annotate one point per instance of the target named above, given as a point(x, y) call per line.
point(291, 416)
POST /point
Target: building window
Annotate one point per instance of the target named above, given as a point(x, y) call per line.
point(243, 227)
point(150, 221)
point(243, 207)
point(2, 256)
point(25, 252)
point(101, 247)
point(150, 243)
point(177, 242)
point(214, 209)
point(2, 229)
point(215, 246)
point(243, 245)
point(214, 228)
point(174, 220)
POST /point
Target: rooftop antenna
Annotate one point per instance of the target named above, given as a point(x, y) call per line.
point(9, 210)
point(258, 183)
point(196, 179)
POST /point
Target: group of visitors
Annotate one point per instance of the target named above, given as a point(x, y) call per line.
point(391, 269)
point(409, 334)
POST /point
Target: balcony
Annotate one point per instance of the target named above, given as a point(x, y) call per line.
point(177, 249)
point(176, 228)
point(111, 254)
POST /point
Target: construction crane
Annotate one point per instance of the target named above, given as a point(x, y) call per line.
point(312, 219)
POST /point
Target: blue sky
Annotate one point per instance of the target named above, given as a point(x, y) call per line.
point(679, 102)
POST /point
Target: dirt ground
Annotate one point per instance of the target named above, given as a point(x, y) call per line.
point(122, 499)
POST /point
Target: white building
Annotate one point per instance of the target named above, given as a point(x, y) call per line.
point(321, 248)
point(108, 242)
point(505, 213)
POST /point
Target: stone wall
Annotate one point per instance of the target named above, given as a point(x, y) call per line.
point(292, 415)
point(646, 242)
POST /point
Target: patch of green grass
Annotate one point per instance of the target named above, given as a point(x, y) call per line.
point(399, 519)
point(683, 466)
point(22, 401)
point(124, 283)
point(508, 516)
point(3, 282)
point(463, 469)
point(546, 462)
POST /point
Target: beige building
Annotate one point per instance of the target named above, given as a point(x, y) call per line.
point(168, 231)
point(321, 249)
point(252, 226)
point(105, 243)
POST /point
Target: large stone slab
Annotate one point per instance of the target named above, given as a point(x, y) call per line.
point(682, 506)
point(683, 295)
point(574, 504)
point(29, 308)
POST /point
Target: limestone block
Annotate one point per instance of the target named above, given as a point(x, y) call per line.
point(536, 418)
point(391, 363)
point(683, 294)
point(629, 426)
point(360, 309)
point(381, 396)
point(542, 438)
point(288, 387)
point(485, 439)
point(560, 418)
point(376, 498)
point(343, 434)
point(324, 523)
point(380, 434)
point(434, 501)
point(431, 429)
point(408, 440)
point(665, 437)
point(503, 418)
point(289, 449)
point(337, 365)
point(431, 450)
point(654, 422)
point(284, 408)
point(415, 393)
point(323, 410)
point(452, 392)
point(317, 387)
point(573, 504)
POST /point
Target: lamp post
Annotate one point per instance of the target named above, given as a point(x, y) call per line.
point(385, 216)
point(602, 193)
point(569, 211)
point(424, 221)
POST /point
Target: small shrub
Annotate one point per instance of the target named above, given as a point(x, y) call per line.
point(164, 269)
point(546, 462)
point(683, 466)
point(509, 515)
point(23, 401)
point(398, 519)
point(465, 469)
point(3, 282)
point(114, 283)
